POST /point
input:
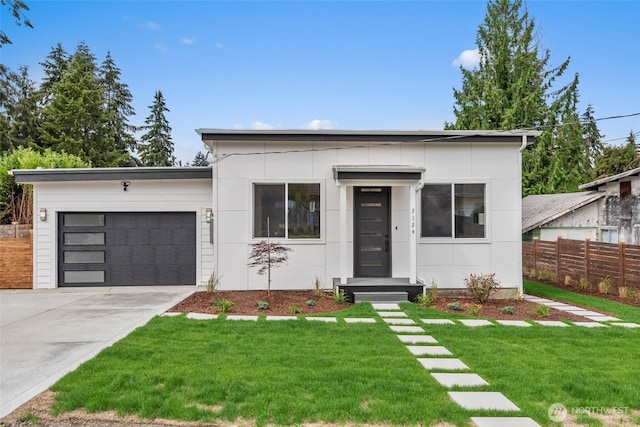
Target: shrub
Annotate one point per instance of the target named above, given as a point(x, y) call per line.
point(544, 274)
point(474, 310)
point(568, 280)
point(434, 291)
point(293, 309)
point(310, 303)
point(604, 285)
point(623, 292)
point(317, 287)
point(482, 286)
point(506, 310)
point(542, 310)
point(424, 300)
point(222, 304)
point(532, 273)
point(516, 295)
point(340, 297)
point(454, 306)
point(213, 282)
point(584, 284)
point(263, 305)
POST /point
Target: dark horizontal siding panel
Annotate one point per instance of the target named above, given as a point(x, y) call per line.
point(409, 176)
point(364, 137)
point(114, 174)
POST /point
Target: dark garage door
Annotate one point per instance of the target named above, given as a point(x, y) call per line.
point(126, 249)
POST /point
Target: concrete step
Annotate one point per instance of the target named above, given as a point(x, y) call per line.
point(376, 297)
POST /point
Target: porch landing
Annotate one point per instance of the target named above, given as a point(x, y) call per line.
point(379, 289)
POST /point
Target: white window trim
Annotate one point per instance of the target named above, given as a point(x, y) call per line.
point(452, 239)
point(286, 182)
point(609, 229)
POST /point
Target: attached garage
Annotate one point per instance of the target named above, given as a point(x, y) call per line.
point(126, 248)
point(121, 227)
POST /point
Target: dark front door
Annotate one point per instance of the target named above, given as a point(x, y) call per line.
point(371, 231)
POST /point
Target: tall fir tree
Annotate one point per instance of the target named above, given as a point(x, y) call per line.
point(23, 111)
point(118, 99)
point(54, 66)
point(615, 160)
point(514, 87)
point(18, 9)
point(79, 95)
point(200, 159)
point(156, 146)
point(591, 135)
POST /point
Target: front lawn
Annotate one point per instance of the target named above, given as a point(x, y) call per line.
point(290, 372)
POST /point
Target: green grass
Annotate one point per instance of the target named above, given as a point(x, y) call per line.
point(285, 372)
point(292, 372)
point(622, 311)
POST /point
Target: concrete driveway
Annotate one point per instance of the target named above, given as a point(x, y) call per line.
point(45, 334)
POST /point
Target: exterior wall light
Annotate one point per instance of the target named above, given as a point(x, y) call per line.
point(42, 214)
point(209, 215)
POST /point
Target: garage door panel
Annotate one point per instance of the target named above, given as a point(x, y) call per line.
point(141, 248)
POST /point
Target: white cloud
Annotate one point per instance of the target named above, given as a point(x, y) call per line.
point(468, 59)
point(161, 47)
point(219, 45)
point(150, 25)
point(317, 124)
point(262, 126)
point(187, 40)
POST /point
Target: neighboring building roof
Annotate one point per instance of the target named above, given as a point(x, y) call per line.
point(540, 209)
point(110, 174)
point(358, 136)
point(595, 184)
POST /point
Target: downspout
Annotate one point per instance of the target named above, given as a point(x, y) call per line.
point(519, 249)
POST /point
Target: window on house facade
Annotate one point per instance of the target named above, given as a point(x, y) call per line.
point(292, 210)
point(453, 210)
point(609, 235)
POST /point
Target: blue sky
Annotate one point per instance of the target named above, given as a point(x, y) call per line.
point(330, 64)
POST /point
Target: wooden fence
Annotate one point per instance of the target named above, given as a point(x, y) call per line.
point(585, 259)
point(16, 263)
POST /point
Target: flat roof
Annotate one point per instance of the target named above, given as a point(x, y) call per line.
point(298, 135)
point(110, 174)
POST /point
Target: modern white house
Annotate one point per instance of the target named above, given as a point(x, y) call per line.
point(358, 208)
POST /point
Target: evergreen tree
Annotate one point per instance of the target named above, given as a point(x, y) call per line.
point(24, 111)
point(118, 107)
point(75, 121)
point(591, 135)
point(156, 146)
point(615, 160)
point(54, 66)
point(200, 160)
point(512, 88)
point(18, 7)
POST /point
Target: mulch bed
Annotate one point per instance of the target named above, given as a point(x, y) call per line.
point(280, 302)
point(246, 303)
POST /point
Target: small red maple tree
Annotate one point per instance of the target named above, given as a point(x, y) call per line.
point(266, 254)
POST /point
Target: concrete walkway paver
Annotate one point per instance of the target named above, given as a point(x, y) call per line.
point(44, 334)
point(474, 323)
point(504, 422)
point(445, 364)
point(386, 306)
point(590, 324)
point(392, 314)
point(195, 316)
point(359, 320)
point(460, 380)
point(398, 321)
point(626, 325)
point(417, 339)
point(483, 400)
point(437, 322)
point(407, 329)
point(428, 350)
point(555, 323)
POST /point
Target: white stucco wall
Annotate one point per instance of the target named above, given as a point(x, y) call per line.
point(108, 196)
point(442, 261)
